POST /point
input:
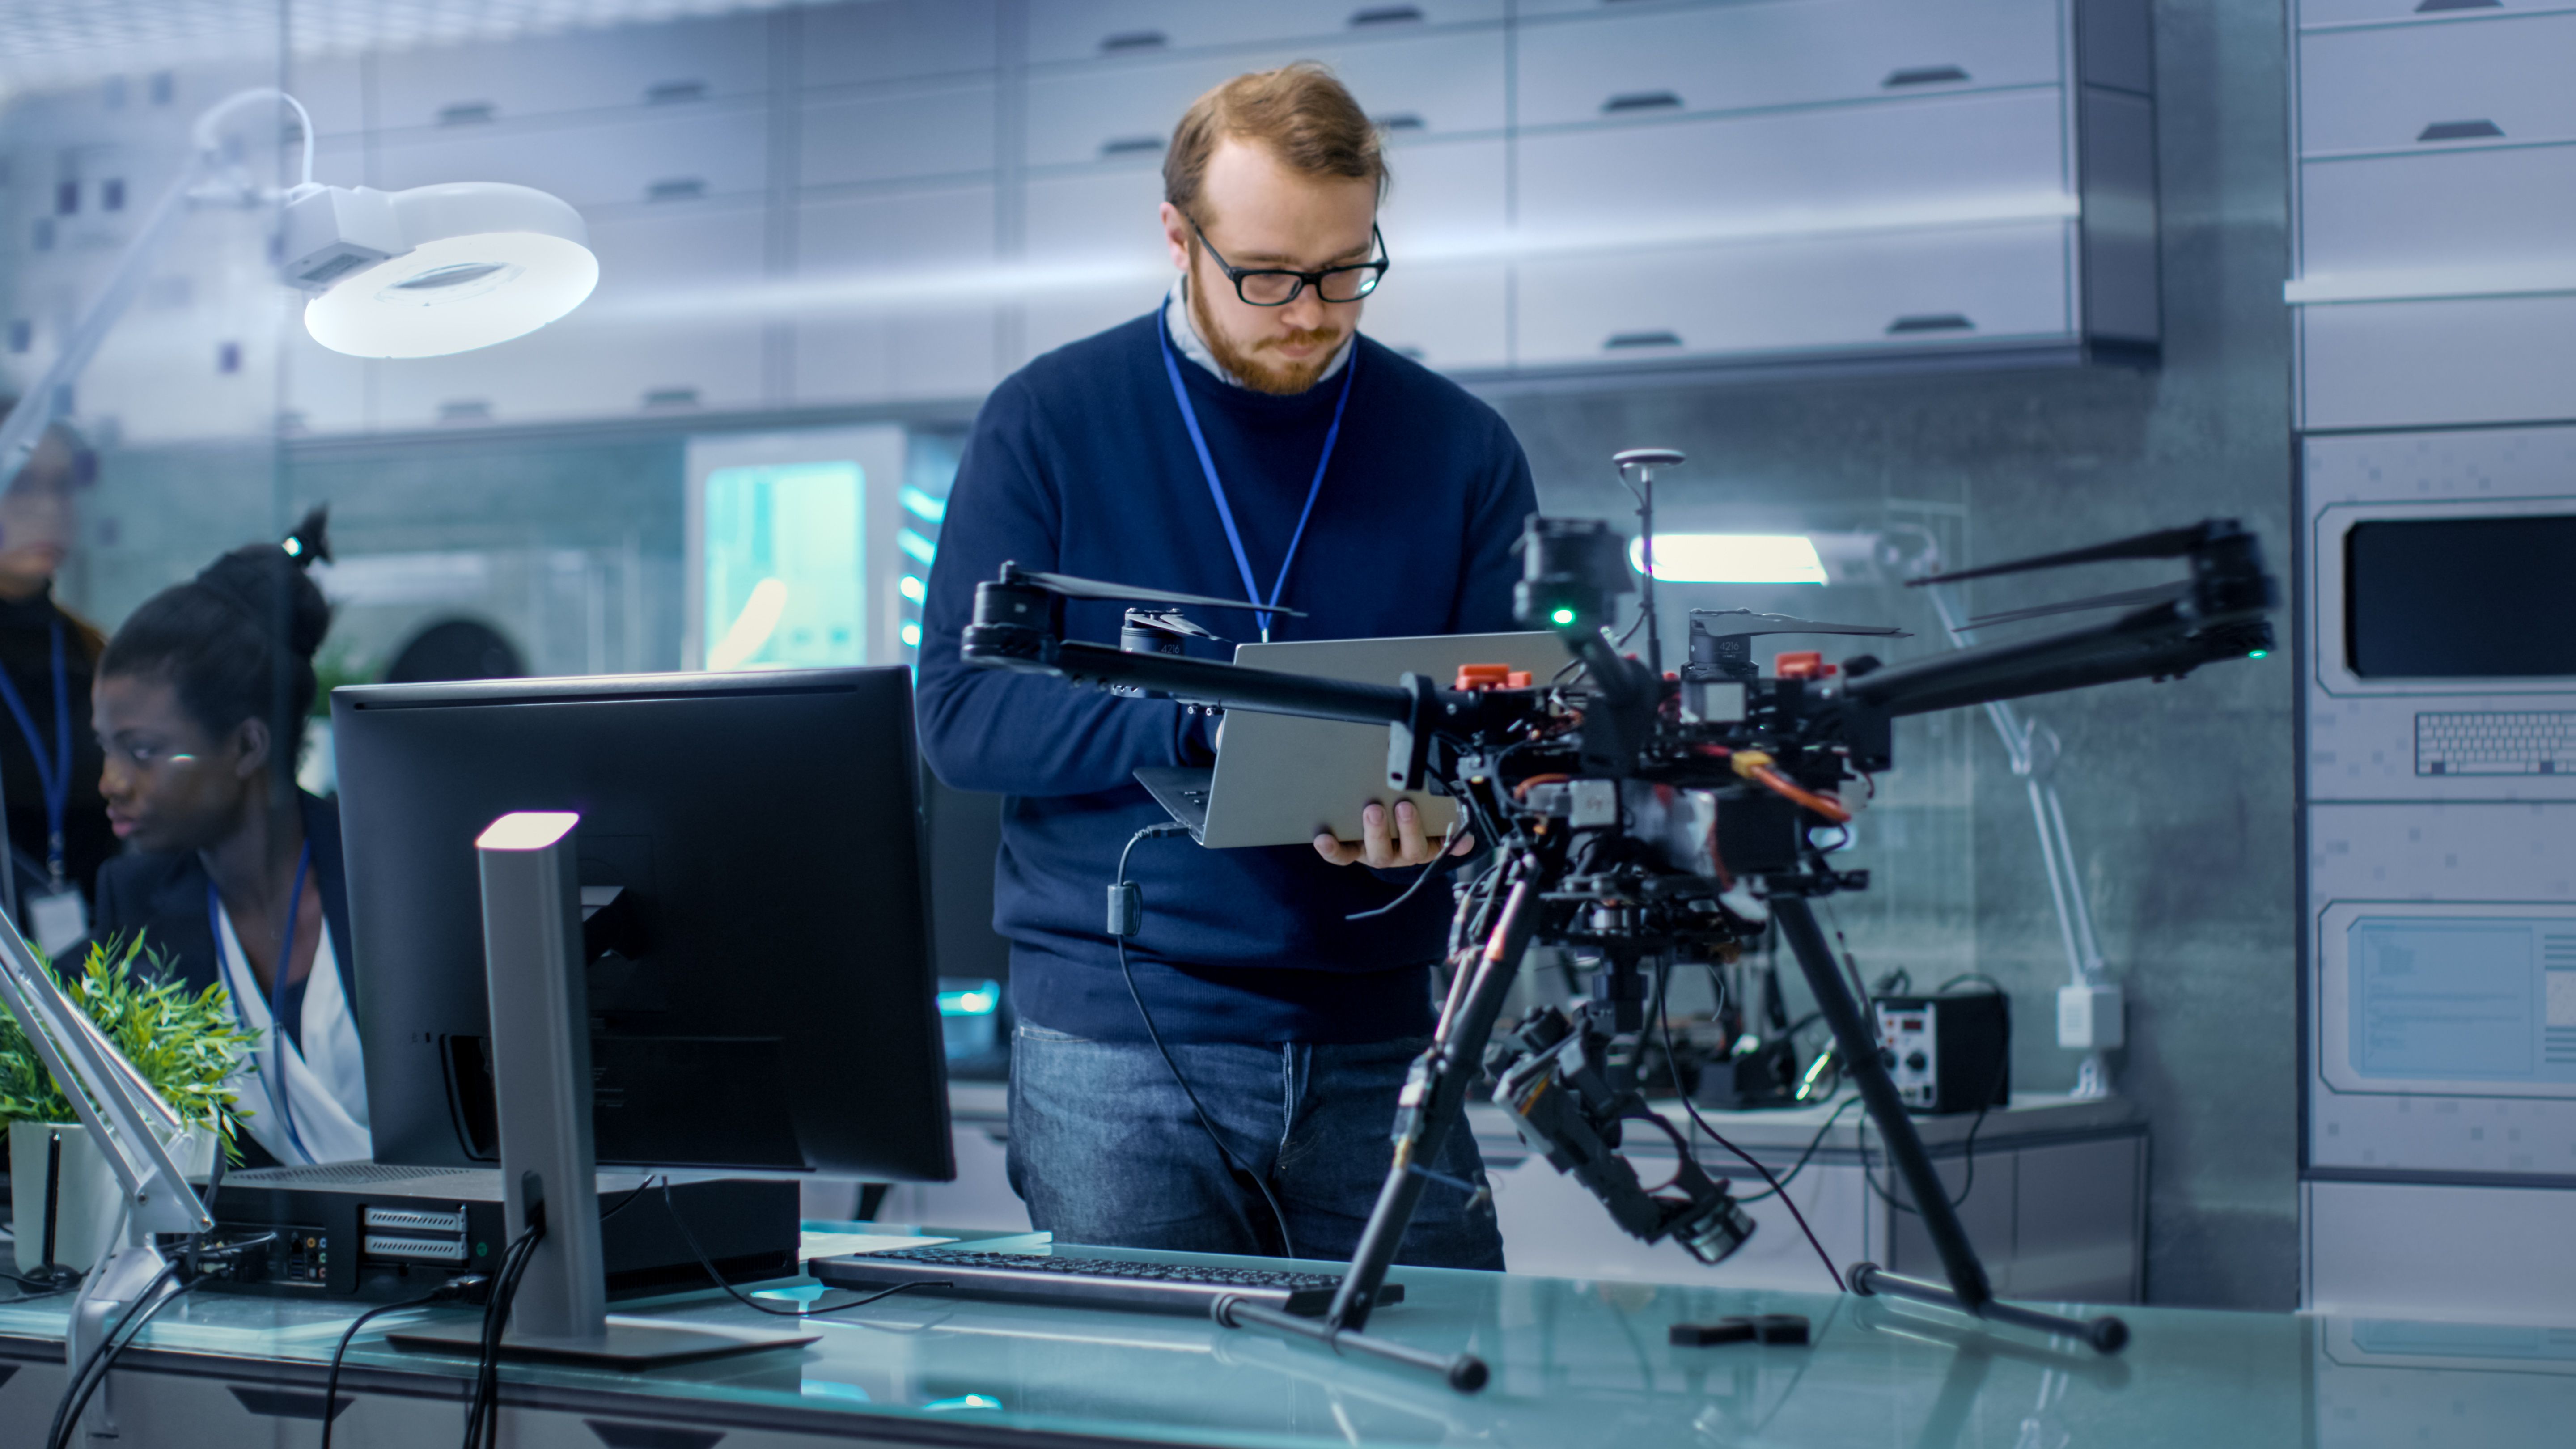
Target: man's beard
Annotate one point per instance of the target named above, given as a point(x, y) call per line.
point(1270, 375)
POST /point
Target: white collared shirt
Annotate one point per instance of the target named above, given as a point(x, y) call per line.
point(326, 1077)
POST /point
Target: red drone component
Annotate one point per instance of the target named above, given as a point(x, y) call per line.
point(1491, 676)
point(1803, 664)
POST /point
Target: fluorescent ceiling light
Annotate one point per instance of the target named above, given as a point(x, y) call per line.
point(436, 269)
point(1731, 558)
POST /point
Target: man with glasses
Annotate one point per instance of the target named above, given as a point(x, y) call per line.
point(1224, 1081)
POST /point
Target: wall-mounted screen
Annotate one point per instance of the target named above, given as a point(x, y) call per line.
point(2461, 598)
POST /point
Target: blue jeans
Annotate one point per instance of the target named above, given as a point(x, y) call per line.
point(1105, 1149)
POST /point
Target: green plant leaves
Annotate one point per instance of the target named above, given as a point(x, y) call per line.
point(185, 1046)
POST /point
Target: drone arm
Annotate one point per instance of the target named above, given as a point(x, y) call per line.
point(2151, 643)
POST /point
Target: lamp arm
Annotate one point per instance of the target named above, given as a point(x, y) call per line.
point(107, 1094)
point(26, 424)
point(2056, 850)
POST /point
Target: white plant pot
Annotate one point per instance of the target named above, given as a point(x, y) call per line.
point(85, 1209)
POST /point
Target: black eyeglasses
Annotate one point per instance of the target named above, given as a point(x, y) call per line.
point(1279, 286)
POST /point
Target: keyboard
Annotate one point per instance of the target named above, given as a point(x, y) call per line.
point(2496, 742)
point(1087, 1282)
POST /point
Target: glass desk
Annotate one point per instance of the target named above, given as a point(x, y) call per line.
point(1576, 1366)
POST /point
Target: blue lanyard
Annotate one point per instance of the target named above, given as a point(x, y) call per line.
point(54, 778)
point(1216, 490)
point(277, 1042)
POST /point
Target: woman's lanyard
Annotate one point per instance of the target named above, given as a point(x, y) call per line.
point(277, 1041)
point(1216, 490)
point(53, 776)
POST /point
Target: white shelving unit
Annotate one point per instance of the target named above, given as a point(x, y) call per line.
point(2434, 302)
point(900, 202)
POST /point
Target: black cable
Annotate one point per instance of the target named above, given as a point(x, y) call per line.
point(1968, 1183)
point(1287, 1244)
point(1801, 1218)
point(76, 1394)
point(1813, 1143)
point(1979, 977)
point(627, 1201)
point(745, 1299)
point(450, 1290)
point(483, 1409)
point(1391, 907)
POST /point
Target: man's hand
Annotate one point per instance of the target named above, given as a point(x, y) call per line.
point(1383, 847)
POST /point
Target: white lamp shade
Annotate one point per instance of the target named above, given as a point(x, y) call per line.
point(488, 262)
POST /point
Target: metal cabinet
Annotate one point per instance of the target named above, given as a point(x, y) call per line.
point(2321, 13)
point(637, 157)
point(1105, 257)
point(892, 40)
point(2493, 207)
point(1964, 160)
point(1577, 186)
point(1068, 30)
point(1991, 285)
point(1428, 84)
point(899, 297)
point(2436, 163)
point(2425, 363)
point(2401, 88)
point(676, 63)
point(880, 136)
point(1445, 301)
point(1802, 52)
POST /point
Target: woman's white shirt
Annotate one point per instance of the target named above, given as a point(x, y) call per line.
point(326, 1077)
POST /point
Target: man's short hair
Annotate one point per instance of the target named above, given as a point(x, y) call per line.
point(1300, 113)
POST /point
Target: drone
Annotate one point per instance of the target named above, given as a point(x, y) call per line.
point(1638, 817)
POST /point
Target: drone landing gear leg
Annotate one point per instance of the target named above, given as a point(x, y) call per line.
point(1434, 1103)
point(1969, 1292)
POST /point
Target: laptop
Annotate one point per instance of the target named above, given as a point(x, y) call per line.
point(1282, 780)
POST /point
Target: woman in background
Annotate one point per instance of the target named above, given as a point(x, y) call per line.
point(49, 761)
point(235, 874)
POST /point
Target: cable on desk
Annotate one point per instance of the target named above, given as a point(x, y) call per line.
point(745, 1299)
point(452, 1290)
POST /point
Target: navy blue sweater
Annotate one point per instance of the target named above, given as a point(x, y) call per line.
point(1079, 463)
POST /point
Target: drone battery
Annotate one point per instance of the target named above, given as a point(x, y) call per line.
point(1948, 1053)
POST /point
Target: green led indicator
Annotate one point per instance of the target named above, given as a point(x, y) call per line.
point(2259, 653)
point(1563, 616)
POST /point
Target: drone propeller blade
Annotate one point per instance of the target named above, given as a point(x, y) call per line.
point(2163, 543)
point(1788, 624)
point(1074, 588)
point(2155, 594)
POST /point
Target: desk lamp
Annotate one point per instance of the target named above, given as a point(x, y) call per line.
point(418, 273)
point(134, 1129)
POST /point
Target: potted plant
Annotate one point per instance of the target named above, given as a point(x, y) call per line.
point(185, 1046)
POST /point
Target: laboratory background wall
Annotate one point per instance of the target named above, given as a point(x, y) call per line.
point(544, 487)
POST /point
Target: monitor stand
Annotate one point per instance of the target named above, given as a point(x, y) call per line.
point(541, 1076)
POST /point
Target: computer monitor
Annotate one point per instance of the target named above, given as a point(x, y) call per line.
point(762, 990)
